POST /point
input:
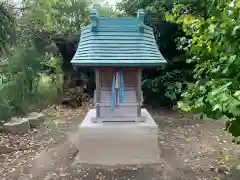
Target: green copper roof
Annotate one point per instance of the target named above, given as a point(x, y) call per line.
point(117, 42)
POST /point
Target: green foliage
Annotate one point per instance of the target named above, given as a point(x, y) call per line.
point(194, 6)
point(213, 45)
point(158, 82)
point(21, 83)
point(56, 16)
point(7, 29)
point(106, 10)
point(165, 86)
point(210, 46)
point(33, 69)
point(173, 89)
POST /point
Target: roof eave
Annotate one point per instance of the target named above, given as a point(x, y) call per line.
point(161, 64)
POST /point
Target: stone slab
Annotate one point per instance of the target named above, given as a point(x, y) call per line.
point(17, 126)
point(35, 119)
point(112, 143)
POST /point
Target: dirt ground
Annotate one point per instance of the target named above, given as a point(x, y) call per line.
point(192, 149)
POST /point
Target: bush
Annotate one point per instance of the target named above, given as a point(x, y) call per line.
point(213, 45)
point(21, 84)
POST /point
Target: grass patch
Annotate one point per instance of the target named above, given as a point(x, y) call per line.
point(14, 101)
point(48, 92)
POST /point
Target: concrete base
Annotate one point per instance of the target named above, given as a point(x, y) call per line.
point(112, 143)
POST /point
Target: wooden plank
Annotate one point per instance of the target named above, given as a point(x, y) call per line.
point(80, 63)
point(106, 54)
point(97, 74)
point(116, 45)
point(139, 86)
point(116, 31)
point(118, 35)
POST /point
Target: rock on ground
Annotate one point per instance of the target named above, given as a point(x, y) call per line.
point(17, 126)
point(35, 119)
point(23, 125)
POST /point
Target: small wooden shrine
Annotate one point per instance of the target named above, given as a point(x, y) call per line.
point(118, 49)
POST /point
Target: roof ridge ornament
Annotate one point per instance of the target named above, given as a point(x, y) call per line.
point(94, 19)
point(141, 16)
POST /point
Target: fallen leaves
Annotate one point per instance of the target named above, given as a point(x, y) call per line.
point(134, 169)
point(60, 111)
point(17, 150)
point(182, 145)
point(19, 142)
point(227, 158)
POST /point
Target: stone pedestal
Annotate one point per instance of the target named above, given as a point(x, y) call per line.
point(111, 143)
